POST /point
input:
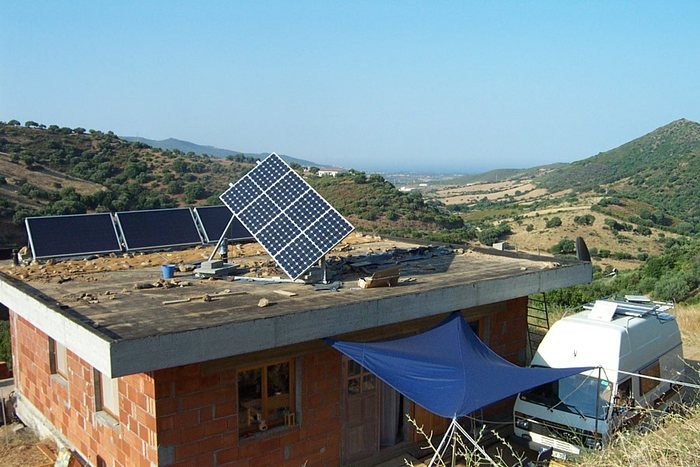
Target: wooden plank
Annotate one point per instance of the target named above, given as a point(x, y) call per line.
point(285, 293)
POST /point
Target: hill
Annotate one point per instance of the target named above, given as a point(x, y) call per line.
point(53, 170)
point(186, 147)
point(654, 177)
point(498, 175)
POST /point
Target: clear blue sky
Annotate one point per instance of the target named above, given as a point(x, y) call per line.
point(375, 85)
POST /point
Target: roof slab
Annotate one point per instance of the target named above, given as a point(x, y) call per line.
point(121, 329)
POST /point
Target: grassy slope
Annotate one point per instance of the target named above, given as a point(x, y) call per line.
point(498, 175)
point(659, 169)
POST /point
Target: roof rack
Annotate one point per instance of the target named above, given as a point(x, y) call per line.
point(636, 308)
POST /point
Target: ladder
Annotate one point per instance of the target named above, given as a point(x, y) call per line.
point(537, 321)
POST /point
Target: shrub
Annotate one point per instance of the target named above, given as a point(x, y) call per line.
point(553, 222)
point(530, 227)
point(672, 286)
point(587, 219)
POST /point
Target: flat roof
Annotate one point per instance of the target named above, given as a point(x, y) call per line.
point(95, 308)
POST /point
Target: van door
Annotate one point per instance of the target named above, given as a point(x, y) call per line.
point(623, 405)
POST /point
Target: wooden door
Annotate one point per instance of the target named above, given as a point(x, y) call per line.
point(360, 412)
point(429, 422)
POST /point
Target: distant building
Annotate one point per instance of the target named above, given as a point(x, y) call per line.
point(329, 172)
point(131, 376)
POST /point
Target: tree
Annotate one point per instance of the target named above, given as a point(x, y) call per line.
point(31, 124)
point(194, 192)
point(565, 246)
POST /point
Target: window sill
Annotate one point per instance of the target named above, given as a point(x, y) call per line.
point(59, 379)
point(104, 419)
point(272, 432)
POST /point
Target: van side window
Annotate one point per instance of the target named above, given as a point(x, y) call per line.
point(646, 384)
point(623, 397)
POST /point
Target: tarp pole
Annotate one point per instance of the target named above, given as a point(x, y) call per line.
point(454, 450)
point(443, 443)
point(476, 445)
point(451, 433)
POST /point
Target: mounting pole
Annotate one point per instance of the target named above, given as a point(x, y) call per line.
point(223, 236)
point(324, 270)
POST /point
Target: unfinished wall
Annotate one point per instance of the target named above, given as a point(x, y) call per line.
point(506, 330)
point(197, 411)
point(68, 404)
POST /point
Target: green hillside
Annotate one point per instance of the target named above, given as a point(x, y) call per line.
point(654, 176)
point(53, 170)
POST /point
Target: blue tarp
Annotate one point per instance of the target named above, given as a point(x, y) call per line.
point(447, 369)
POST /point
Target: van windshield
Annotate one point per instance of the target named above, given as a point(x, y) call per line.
point(578, 394)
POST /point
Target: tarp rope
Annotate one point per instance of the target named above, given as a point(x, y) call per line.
point(663, 380)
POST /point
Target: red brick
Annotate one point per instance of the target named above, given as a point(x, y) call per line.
point(226, 455)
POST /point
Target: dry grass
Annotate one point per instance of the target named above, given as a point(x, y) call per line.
point(674, 442)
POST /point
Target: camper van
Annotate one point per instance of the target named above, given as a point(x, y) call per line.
point(625, 342)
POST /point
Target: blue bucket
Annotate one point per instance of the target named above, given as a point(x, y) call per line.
point(168, 271)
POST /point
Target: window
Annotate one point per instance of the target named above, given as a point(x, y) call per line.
point(359, 379)
point(58, 360)
point(106, 394)
point(266, 397)
point(646, 384)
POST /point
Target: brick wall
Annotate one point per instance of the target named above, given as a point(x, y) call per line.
point(507, 330)
point(197, 407)
point(197, 411)
point(69, 403)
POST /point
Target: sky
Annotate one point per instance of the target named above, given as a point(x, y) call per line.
point(393, 86)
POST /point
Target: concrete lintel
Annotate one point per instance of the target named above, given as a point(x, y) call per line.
point(158, 352)
point(84, 342)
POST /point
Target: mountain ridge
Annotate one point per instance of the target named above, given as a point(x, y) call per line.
point(201, 149)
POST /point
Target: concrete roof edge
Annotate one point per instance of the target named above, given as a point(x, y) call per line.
point(175, 349)
point(43, 313)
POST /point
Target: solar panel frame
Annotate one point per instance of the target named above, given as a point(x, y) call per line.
point(237, 231)
point(121, 220)
point(280, 209)
point(34, 233)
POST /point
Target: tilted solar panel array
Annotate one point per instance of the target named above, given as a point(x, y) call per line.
point(72, 235)
point(286, 215)
point(214, 219)
point(158, 228)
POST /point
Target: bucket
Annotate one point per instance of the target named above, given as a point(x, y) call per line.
point(168, 271)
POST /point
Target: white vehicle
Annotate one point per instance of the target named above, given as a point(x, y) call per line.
point(625, 341)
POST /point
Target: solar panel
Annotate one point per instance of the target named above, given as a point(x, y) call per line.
point(214, 219)
point(72, 235)
point(158, 228)
point(285, 215)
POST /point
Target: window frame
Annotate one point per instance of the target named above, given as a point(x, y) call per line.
point(264, 399)
point(106, 402)
point(647, 385)
point(58, 359)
